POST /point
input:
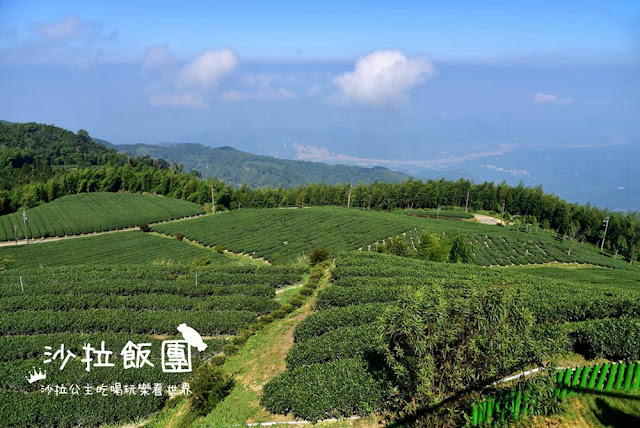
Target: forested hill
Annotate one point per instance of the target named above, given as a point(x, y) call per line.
point(30, 143)
point(237, 167)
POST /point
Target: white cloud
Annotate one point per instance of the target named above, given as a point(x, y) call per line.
point(542, 98)
point(259, 80)
point(322, 154)
point(191, 84)
point(314, 90)
point(71, 41)
point(187, 99)
point(208, 68)
point(67, 28)
point(157, 57)
point(384, 76)
point(264, 94)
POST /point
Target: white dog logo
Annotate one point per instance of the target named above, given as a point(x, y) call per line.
point(192, 337)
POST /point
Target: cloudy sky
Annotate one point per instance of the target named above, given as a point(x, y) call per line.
point(402, 84)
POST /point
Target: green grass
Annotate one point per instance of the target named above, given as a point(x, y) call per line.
point(94, 212)
point(131, 247)
point(598, 410)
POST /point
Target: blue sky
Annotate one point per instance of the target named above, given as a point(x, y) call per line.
point(415, 86)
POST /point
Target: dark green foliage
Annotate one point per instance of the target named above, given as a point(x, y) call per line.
point(42, 410)
point(613, 338)
point(397, 246)
point(179, 236)
point(439, 346)
point(322, 391)
point(461, 250)
point(345, 296)
point(131, 320)
point(319, 255)
point(433, 247)
point(347, 342)
point(322, 322)
point(210, 385)
point(144, 227)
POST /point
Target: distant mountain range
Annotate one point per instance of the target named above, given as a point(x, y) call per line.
point(238, 167)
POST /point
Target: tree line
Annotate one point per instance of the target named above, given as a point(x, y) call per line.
point(39, 163)
point(530, 203)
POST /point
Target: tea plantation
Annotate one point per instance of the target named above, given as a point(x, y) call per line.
point(128, 247)
point(115, 304)
point(94, 212)
point(281, 236)
point(334, 367)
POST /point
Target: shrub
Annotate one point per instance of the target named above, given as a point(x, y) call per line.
point(438, 347)
point(5, 261)
point(335, 345)
point(179, 236)
point(331, 319)
point(319, 255)
point(218, 249)
point(433, 248)
point(320, 391)
point(144, 227)
point(200, 261)
point(461, 250)
point(209, 386)
point(614, 339)
point(397, 246)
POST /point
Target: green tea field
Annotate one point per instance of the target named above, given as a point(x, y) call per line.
point(129, 247)
point(93, 212)
point(73, 306)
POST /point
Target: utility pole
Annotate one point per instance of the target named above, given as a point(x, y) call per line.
point(606, 226)
point(349, 199)
point(24, 218)
point(466, 204)
point(213, 200)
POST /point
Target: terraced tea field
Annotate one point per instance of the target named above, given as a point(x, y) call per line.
point(75, 306)
point(331, 370)
point(283, 235)
point(94, 212)
point(130, 247)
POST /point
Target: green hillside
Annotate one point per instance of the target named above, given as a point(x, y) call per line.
point(116, 248)
point(284, 235)
point(238, 167)
point(94, 212)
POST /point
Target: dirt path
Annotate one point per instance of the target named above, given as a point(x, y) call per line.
point(84, 235)
point(485, 219)
point(261, 359)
